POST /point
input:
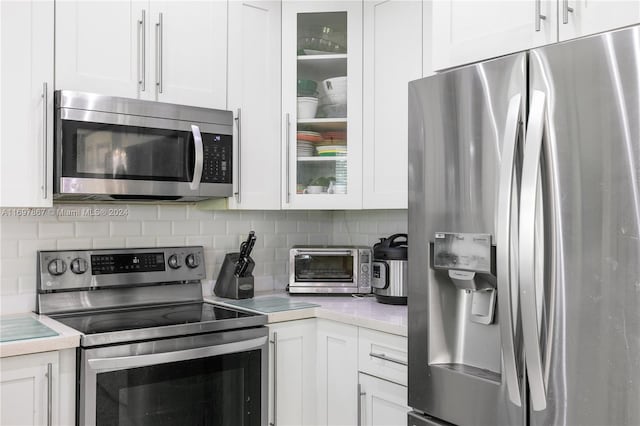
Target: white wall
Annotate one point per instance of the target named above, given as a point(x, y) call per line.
point(66, 226)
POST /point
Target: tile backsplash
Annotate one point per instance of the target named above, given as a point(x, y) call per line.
point(80, 226)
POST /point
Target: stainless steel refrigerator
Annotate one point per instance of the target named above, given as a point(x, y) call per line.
point(524, 258)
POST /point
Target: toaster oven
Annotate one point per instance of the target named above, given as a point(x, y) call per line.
point(330, 269)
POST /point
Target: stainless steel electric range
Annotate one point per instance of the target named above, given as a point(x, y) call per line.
point(152, 352)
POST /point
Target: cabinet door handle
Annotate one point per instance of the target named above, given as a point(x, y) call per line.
point(539, 15)
point(49, 394)
point(45, 102)
point(565, 11)
point(142, 50)
point(360, 395)
point(275, 379)
point(287, 127)
point(387, 358)
point(239, 124)
point(159, 48)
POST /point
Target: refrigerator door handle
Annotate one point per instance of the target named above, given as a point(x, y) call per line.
point(528, 198)
point(503, 248)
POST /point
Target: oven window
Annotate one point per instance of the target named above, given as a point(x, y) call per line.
point(215, 391)
point(323, 268)
point(107, 151)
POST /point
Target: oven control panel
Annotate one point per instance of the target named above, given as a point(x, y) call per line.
point(65, 269)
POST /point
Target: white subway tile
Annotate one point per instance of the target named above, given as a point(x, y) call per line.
point(185, 227)
point(261, 255)
point(140, 242)
point(27, 283)
point(194, 213)
point(200, 240)
point(28, 248)
point(226, 242)
point(174, 240)
point(297, 239)
point(73, 213)
point(56, 230)
point(273, 215)
point(17, 303)
point(92, 229)
point(274, 240)
point(142, 212)
point(263, 283)
point(213, 227)
point(13, 268)
point(73, 244)
point(125, 229)
point(319, 239)
point(282, 253)
point(9, 286)
point(14, 229)
point(263, 226)
point(307, 226)
point(297, 215)
point(286, 226)
point(156, 229)
point(107, 243)
point(172, 212)
point(251, 215)
point(9, 248)
point(240, 227)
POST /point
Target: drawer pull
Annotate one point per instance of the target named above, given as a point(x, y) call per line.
point(386, 358)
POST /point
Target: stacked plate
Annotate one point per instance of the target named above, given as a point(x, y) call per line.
point(306, 143)
point(331, 150)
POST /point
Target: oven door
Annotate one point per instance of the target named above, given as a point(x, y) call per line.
point(322, 270)
point(124, 157)
point(210, 379)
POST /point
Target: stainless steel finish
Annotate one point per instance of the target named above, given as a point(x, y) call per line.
point(197, 167)
point(46, 282)
point(238, 120)
point(170, 350)
point(387, 358)
point(159, 47)
point(527, 252)
point(539, 15)
point(91, 102)
point(505, 257)
point(288, 137)
point(565, 11)
point(49, 394)
point(45, 120)
point(275, 378)
point(361, 282)
point(360, 395)
point(135, 361)
point(395, 282)
point(592, 154)
point(456, 136)
point(419, 419)
point(142, 49)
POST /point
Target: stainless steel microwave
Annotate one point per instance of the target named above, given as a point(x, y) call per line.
point(109, 148)
point(330, 269)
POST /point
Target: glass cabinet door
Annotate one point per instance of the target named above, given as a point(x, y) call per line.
point(322, 98)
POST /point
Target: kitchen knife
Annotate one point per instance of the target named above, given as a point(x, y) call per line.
point(241, 266)
point(252, 242)
point(244, 247)
point(244, 266)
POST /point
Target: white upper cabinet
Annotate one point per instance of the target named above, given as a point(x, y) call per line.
point(322, 104)
point(26, 119)
point(254, 97)
point(100, 46)
point(469, 31)
point(581, 17)
point(392, 57)
point(170, 51)
point(189, 50)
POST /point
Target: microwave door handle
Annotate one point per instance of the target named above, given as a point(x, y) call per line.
point(197, 167)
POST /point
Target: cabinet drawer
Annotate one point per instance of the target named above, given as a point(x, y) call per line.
point(383, 355)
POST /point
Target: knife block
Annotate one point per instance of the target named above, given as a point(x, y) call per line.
point(230, 286)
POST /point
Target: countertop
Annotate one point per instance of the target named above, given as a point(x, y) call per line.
point(67, 338)
point(362, 311)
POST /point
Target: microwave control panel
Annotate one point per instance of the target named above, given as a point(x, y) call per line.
point(217, 161)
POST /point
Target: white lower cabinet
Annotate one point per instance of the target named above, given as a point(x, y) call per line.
point(382, 403)
point(337, 366)
point(38, 389)
point(292, 375)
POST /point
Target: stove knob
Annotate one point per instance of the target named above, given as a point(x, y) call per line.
point(79, 265)
point(174, 262)
point(57, 267)
point(192, 261)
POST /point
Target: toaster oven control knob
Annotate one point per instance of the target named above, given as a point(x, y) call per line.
point(57, 267)
point(192, 261)
point(79, 265)
point(174, 262)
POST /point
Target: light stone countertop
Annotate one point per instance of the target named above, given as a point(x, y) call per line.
point(361, 311)
point(67, 338)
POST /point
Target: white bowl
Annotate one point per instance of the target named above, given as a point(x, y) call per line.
point(315, 189)
point(333, 91)
point(307, 107)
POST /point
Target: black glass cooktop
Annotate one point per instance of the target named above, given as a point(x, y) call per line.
point(159, 321)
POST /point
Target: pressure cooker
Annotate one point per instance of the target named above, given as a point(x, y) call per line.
point(389, 270)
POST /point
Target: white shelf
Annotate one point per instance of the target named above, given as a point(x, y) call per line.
point(321, 67)
point(322, 159)
point(329, 57)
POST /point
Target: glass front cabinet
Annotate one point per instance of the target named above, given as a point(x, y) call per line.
point(322, 104)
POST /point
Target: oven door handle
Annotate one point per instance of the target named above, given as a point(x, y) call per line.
point(124, 362)
point(197, 167)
